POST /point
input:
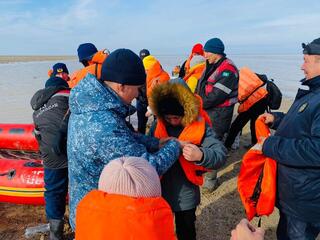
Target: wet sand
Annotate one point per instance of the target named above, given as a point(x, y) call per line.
point(9, 59)
point(217, 215)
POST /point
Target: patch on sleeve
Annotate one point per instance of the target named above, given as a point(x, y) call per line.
point(303, 107)
point(225, 74)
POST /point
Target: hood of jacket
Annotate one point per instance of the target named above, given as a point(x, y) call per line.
point(42, 96)
point(189, 102)
point(90, 95)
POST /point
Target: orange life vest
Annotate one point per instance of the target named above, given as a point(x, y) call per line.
point(193, 75)
point(257, 178)
point(155, 75)
point(94, 68)
point(250, 89)
point(109, 216)
point(194, 133)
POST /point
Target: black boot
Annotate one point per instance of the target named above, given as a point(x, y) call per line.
point(56, 229)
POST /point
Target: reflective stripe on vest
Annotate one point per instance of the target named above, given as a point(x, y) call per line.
point(226, 65)
point(64, 93)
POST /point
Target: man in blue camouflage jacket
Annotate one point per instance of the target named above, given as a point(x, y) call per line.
point(98, 131)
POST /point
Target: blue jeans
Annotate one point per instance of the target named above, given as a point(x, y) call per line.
point(56, 185)
point(292, 228)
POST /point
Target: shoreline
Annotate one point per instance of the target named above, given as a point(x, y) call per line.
point(34, 58)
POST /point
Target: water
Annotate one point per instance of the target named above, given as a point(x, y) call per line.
point(19, 81)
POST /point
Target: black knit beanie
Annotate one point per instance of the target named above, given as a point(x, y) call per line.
point(125, 67)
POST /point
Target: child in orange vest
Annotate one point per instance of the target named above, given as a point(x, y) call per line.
point(128, 205)
point(180, 115)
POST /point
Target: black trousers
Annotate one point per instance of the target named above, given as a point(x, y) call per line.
point(241, 120)
point(185, 224)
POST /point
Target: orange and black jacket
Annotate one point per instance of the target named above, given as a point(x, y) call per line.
point(94, 68)
point(180, 184)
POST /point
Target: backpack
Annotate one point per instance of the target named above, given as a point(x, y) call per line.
point(274, 97)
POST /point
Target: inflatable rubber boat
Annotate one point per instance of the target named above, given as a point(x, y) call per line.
point(21, 169)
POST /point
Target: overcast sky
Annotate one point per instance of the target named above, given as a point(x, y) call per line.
point(51, 27)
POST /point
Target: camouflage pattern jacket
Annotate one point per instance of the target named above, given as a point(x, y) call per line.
point(98, 133)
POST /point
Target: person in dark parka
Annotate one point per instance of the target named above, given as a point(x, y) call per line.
point(296, 149)
point(50, 118)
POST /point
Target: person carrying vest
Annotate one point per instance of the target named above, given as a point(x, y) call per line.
point(197, 50)
point(218, 88)
point(91, 59)
point(127, 204)
point(295, 147)
point(50, 118)
point(252, 96)
point(179, 114)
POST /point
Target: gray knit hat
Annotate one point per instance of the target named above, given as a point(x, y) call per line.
point(130, 176)
point(197, 59)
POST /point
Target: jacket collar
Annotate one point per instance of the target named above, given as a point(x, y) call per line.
point(313, 84)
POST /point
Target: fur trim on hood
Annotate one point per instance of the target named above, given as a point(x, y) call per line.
point(183, 94)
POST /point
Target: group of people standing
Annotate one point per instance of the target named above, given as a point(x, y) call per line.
point(120, 177)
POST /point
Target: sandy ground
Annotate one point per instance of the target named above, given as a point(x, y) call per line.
point(8, 59)
point(217, 215)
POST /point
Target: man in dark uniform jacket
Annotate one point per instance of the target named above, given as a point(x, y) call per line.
point(50, 117)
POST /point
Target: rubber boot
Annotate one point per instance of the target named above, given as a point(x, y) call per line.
point(210, 181)
point(56, 229)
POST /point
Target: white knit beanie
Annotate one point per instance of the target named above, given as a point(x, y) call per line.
point(130, 176)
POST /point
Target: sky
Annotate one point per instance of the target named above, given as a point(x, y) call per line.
point(51, 27)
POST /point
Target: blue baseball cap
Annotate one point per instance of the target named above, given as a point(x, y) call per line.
point(59, 68)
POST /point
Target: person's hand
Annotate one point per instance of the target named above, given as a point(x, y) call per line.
point(259, 144)
point(148, 114)
point(192, 152)
point(183, 143)
point(268, 118)
point(163, 141)
point(245, 231)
